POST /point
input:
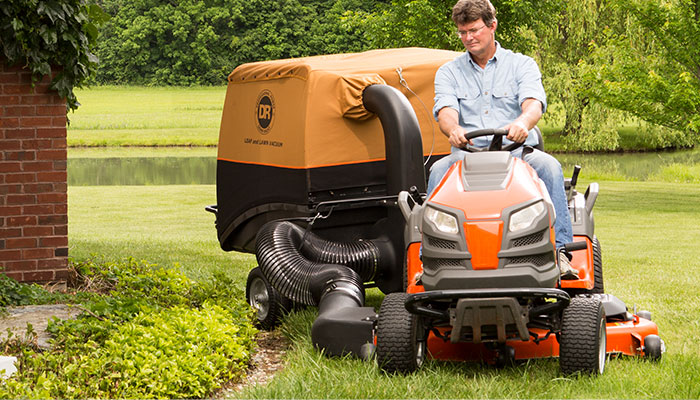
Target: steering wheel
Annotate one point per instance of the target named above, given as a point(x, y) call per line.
point(496, 142)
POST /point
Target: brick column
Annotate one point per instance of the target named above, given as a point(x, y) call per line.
point(33, 180)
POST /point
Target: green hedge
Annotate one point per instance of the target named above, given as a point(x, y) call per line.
point(195, 42)
point(51, 34)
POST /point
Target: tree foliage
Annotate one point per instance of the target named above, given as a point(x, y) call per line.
point(562, 49)
point(428, 23)
point(190, 42)
point(52, 33)
point(651, 69)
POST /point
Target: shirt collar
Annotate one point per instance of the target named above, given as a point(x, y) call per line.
point(499, 51)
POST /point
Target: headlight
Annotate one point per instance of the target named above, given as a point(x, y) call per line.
point(443, 221)
point(525, 217)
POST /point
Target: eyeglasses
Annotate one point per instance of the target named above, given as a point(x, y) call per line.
point(471, 32)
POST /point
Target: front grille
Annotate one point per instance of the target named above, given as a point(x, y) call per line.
point(538, 260)
point(528, 240)
point(437, 263)
point(442, 244)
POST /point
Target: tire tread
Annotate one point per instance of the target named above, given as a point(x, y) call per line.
point(578, 342)
point(396, 335)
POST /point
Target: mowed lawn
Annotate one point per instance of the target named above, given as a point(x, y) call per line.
point(146, 116)
point(649, 236)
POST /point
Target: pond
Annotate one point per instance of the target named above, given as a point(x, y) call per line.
point(142, 171)
point(186, 168)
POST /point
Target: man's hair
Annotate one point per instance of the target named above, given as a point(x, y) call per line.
point(466, 11)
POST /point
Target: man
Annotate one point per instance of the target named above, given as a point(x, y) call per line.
point(491, 87)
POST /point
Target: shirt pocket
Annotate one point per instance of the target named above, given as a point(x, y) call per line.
point(469, 103)
point(505, 101)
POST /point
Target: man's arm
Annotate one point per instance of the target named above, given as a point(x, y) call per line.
point(531, 114)
point(448, 121)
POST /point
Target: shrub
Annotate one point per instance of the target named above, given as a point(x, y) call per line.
point(147, 333)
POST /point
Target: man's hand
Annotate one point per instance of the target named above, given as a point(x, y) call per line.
point(457, 138)
point(448, 120)
point(517, 131)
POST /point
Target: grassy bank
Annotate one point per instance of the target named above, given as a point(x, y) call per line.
point(190, 116)
point(147, 116)
point(649, 238)
point(166, 225)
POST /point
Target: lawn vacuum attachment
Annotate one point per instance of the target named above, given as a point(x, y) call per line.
point(321, 173)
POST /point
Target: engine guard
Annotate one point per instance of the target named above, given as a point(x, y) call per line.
point(419, 303)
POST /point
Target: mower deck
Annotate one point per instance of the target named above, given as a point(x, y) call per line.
point(623, 338)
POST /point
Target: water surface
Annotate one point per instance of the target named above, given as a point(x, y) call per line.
point(197, 167)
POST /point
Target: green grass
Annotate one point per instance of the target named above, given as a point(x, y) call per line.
point(166, 225)
point(147, 116)
point(122, 152)
point(649, 236)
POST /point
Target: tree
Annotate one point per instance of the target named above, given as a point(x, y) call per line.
point(428, 23)
point(562, 50)
point(652, 68)
point(159, 42)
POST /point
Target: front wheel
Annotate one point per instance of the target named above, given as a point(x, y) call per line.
point(583, 340)
point(401, 338)
point(653, 347)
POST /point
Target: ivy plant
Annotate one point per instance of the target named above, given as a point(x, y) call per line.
point(47, 34)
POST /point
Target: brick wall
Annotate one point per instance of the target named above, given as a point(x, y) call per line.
point(33, 188)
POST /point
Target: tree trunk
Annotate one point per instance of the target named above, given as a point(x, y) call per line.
point(574, 106)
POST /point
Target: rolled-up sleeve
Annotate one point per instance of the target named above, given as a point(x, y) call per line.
point(445, 90)
point(530, 82)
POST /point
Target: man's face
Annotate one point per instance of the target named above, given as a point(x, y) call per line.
point(477, 37)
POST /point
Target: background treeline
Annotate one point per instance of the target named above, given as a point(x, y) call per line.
point(604, 62)
point(188, 42)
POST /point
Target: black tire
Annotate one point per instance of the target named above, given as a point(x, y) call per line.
point(268, 303)
point(653, 347)
point(582, 341)
point(401, 344)
point(598, 284)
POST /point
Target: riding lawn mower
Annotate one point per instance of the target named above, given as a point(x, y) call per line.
point(321, 174)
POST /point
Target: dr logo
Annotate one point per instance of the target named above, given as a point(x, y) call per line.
point(265, 111)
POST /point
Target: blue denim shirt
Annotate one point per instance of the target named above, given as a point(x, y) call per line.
point(490, 97)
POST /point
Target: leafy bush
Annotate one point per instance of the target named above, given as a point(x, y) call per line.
point(13, 293)
point(58, 33)
point(147, 333)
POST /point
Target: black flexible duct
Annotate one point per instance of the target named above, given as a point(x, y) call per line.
point(304, 267)
point(361, 257)
point(313, 271)
point(343, 325)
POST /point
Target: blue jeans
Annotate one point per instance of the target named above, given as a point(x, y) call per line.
point(547, 168)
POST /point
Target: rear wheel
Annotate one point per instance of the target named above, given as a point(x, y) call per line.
point(582, 342)
point(401, 339)
point(268, 303)
point(598, 286)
